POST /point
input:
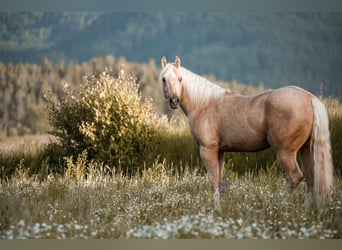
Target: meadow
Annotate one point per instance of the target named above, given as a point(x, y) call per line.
point(161, 203)
point(49, 192)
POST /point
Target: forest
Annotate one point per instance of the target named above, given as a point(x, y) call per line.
point(274, 49)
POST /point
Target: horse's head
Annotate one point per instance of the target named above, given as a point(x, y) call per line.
point(172, 81)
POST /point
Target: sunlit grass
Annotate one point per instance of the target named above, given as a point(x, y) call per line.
point(161, 204)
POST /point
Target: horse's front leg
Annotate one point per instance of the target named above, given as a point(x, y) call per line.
point(211, 161)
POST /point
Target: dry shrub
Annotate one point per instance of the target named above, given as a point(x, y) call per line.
point(107, 117)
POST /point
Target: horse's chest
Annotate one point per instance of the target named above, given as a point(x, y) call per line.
point(204, 131)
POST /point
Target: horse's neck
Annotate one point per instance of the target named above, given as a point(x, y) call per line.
point(186, 104)
point(198, 93)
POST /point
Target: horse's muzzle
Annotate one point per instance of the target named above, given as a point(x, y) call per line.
point(174, 102)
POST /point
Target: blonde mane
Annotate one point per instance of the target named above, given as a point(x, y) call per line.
point(199, 89)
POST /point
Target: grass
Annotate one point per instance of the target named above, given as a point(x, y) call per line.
point(161, 203)
point(24, 151)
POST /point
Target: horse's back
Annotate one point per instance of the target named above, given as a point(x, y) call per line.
point(291, 92)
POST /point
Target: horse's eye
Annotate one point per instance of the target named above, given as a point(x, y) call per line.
point(180, 78)
point(164, 80)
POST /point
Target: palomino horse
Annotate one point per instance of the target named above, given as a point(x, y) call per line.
point(288, 120)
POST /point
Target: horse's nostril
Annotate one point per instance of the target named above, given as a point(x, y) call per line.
point(174, 99)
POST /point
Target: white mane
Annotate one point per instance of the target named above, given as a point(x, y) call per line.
point(199, 89)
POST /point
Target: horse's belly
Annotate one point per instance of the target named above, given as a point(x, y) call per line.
point(244, 144)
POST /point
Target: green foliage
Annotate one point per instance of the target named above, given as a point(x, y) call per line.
point(40, 30)
point(108, 118)
point(270, 48)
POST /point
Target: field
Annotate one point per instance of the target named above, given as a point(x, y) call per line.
point(115, 170)
point(161, 202)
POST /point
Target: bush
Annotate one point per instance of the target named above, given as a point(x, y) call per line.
point(108, 118)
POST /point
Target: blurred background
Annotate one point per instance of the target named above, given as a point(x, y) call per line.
point(273, 48)
point(39, 51)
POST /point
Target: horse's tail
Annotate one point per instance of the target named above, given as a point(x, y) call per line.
point(321, 147)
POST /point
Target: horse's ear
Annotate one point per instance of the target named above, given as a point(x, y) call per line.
point(163, 62)
point(177, 62)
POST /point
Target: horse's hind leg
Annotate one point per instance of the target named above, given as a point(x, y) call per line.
point(308, 165)
point(221, 165)
point(223, 185)
point(289, 163)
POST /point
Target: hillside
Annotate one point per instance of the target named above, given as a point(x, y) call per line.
point(275, 49)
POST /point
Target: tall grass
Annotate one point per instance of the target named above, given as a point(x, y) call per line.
point(160, 203)
point(24, 152)
point(335, 116)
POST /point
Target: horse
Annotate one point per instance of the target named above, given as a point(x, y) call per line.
point(289, 120)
